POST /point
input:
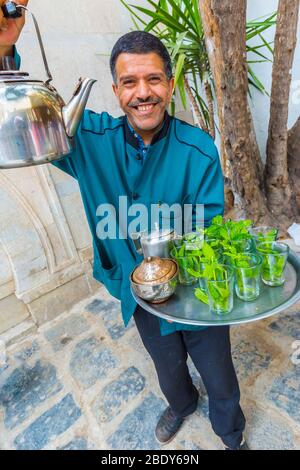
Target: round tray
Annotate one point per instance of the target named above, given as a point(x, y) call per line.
point(183, 307)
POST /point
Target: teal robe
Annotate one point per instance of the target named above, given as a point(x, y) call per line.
point(182, 166)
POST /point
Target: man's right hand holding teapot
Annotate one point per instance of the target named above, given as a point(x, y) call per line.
point(10, 29)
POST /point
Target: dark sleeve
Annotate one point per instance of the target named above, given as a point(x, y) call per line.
point(210, 193)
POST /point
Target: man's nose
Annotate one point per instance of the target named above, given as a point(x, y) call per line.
point(143, 90)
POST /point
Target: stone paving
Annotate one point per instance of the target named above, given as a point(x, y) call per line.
point(85, 382)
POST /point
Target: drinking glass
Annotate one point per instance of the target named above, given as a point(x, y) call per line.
point(274, 258)
point(220, 290)
point(247, 276)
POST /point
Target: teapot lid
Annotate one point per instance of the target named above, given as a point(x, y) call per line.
point(154, 270)
point(13, 76)
point(9, 71)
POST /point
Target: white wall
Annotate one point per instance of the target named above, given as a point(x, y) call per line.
point(78, 37)
point(261, 103)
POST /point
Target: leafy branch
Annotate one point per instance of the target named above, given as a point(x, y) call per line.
point(179, 26)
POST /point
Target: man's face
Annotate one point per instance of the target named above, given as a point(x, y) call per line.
point(143, 89)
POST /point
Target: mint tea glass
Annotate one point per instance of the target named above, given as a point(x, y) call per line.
point(247, 268)
point(274, 258)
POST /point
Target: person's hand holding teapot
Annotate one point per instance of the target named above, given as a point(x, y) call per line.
point(10, 29)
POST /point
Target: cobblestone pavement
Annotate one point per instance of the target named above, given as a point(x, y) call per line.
point(85, 382)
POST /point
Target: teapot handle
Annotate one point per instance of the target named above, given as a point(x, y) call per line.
point(10, 10)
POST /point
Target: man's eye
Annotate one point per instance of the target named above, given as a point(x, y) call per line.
point(154, 79)
point(128, 82)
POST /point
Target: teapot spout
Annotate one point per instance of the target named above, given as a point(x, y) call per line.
point(72, 112)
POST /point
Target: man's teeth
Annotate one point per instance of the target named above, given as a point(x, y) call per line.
point(145, 108)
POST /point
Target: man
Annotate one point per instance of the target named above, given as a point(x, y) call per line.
point(151, 158)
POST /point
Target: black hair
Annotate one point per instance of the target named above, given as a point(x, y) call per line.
point(140, 42)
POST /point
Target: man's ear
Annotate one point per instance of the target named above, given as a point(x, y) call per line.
point(172, 83)
point(115, 90)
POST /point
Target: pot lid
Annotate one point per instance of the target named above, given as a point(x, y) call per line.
point(13, 73)
point(154, 270)
point(16, 76)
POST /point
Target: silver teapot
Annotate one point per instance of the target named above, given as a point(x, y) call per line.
point(157, 243)
point(36, 126)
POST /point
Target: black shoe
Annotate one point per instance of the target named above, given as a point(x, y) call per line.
point(243, 446)
point(167, 426)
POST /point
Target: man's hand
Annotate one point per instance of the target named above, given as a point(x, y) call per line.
point(10, 30)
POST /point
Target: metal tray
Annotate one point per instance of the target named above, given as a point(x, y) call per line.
point(183, 307)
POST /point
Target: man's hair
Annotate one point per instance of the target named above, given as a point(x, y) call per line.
point(140, 42)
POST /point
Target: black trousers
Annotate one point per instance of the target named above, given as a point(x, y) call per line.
point(210, 351)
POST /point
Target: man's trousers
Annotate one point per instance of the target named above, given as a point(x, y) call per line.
point(210, 351)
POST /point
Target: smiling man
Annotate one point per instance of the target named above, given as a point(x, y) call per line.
point(151, 158)
point(143, 84)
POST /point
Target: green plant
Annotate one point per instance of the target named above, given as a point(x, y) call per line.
point(274, 257)
point(264, 234)
point(232, 237)
point(272, 268)
point(247, 276)
point(201, 295)
point(178, 24)
point(185, 263)
point(228, 230)
point(207, 255)
point(219, 290)
point(228, 239)
point(190, 260)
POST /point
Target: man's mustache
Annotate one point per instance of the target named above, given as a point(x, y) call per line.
point(134, 104)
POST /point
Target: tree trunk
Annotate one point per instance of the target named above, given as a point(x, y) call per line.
point(278, 188)
point(224, 25)
point(294, 160)
point(211, 111)
point(257, 161)
point(195, 108)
